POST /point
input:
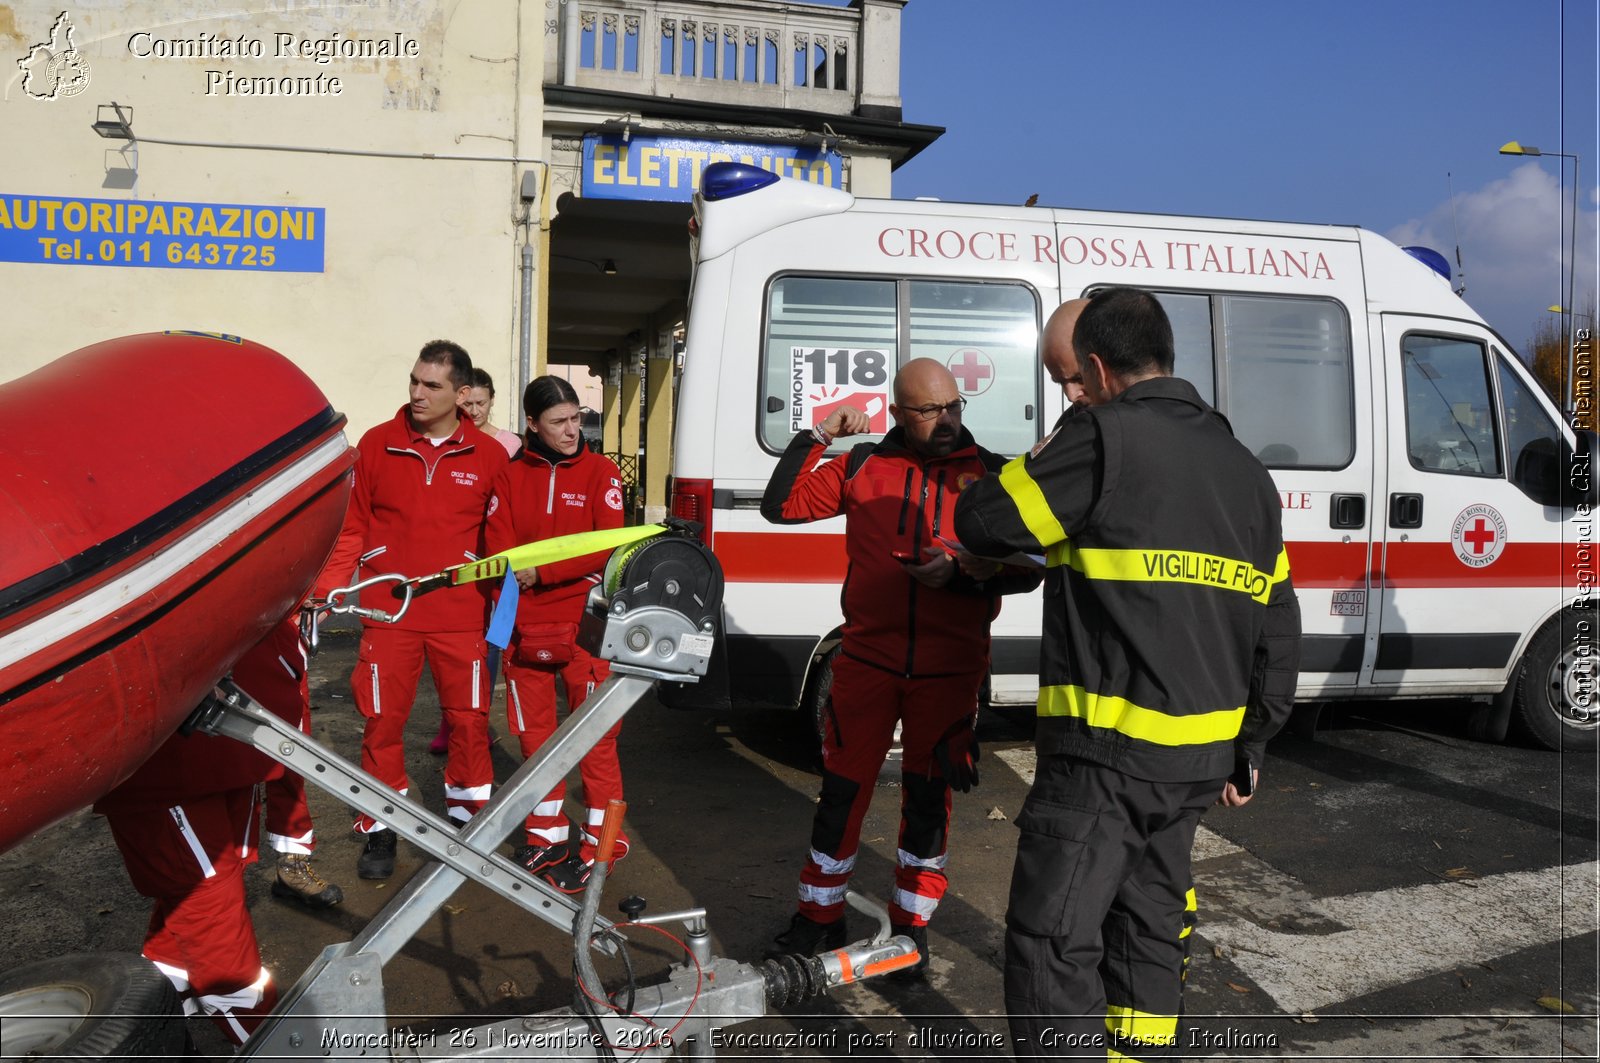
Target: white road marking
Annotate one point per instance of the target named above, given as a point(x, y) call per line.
point(1347, 947)
point(1398, 935)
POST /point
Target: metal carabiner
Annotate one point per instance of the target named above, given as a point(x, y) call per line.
point(337, 602)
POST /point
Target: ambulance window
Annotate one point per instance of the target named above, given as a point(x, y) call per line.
point(1534, 445)
point(1191, 340)
point(1274, 348)
point(829, 341)
point(988, 337)
point(1449, 413)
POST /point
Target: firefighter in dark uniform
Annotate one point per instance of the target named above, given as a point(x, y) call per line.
point(1169, 657)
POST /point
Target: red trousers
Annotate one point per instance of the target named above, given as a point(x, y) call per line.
point(865, 705)
point(531, 714)
point(190, 860)
point(385, 684)
point(275, 675)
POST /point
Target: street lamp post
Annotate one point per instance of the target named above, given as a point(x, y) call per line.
point(1514, 148)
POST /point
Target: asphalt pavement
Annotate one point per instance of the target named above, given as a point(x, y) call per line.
point(1394, 890)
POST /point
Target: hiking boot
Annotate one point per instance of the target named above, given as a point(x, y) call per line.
point(806, 937)
point(919, 971)
point(298, 881)
point(377, 856)
point(535, 858)
point(569, 876)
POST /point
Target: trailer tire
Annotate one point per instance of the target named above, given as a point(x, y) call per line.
point(1556, 702)
point(104, 1005)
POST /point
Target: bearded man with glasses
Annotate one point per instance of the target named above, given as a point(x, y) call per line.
point(915, 646)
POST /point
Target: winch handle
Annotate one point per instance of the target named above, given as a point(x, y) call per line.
point(610, 827)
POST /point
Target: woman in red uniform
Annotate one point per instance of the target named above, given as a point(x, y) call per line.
point(557, 487)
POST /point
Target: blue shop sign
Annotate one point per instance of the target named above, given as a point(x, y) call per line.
point(668, 168)
point(150, 233)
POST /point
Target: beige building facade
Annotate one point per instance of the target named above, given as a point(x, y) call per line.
point(344, 182)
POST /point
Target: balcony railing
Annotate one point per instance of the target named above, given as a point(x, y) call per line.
point(780, 55)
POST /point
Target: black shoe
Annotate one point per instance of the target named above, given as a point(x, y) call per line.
point(535, 858)
point(377, 856)
point(919, 971)
point(806, 937)
point(569, 876)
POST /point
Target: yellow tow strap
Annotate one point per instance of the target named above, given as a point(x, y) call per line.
point(547, 551)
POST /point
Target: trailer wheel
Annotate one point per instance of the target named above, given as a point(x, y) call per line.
point(105, 1005)
point(1557, 703)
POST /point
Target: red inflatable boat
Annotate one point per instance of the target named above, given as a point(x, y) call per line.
point(164, 500)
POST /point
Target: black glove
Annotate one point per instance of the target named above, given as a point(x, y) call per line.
point(957, 754)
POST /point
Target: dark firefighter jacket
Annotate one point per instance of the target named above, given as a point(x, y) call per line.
point(1171, 629)
point(892, 499)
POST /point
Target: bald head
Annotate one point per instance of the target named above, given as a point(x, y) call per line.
point(1057, 354)
point(927, 407)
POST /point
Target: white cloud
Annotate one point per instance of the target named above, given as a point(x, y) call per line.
point(1515, 235)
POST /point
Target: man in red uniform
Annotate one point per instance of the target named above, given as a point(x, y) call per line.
point(185, 823)
point(288, 819)
point(557, 486)
point(915, 647)
point(424, 485)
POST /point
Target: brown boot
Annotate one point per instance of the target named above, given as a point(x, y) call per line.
point(298, 881)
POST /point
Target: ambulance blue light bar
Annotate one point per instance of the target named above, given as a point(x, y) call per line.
point(725, 180)
point(1430, 258)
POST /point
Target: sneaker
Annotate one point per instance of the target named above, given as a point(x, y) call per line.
point(298, 881)
point(918, 935)
point(570, 875)
point(377, 856)
point(806, 937)
point(619, 848)
point(535, 858)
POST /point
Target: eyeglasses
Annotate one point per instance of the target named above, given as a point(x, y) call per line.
point(928, 413)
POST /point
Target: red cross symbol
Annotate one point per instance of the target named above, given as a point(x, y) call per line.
point(972, 369)
point(1480, 536)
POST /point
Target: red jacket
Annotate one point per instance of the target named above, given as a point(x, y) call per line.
point(543, 499)
point(893, 499)
point(416, 509)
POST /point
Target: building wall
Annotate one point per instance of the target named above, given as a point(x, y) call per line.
point(413, 248)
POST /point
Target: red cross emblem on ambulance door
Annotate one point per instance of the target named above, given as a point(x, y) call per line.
point(973, 370)
point(1478, 535)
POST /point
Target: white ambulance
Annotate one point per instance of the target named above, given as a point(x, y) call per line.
point(1436, 506)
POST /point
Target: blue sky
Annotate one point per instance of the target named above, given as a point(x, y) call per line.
point(1350, 112)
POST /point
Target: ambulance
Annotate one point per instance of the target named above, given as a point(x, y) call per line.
point(1436, 504)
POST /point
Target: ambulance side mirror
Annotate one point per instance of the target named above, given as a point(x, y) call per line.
point(1537, 471)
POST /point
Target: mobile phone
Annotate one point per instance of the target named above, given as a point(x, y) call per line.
point(1243, 778)
point(905, 557)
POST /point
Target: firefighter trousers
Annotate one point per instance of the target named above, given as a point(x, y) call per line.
point(1101, 912)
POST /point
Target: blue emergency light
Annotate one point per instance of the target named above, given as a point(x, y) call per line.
point(1430, 258)
point(725, 180)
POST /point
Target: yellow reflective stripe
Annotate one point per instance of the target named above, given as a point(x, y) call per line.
point(1027, 496)
point(1059, 554)
point(1280, 570)
point(1174, 566)
point(1141, 1026)
point(1135, 721)
point(1189, 910)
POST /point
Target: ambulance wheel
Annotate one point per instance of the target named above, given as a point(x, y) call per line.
point(819, 688)
point(1556, 698)
point(104, 1005)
